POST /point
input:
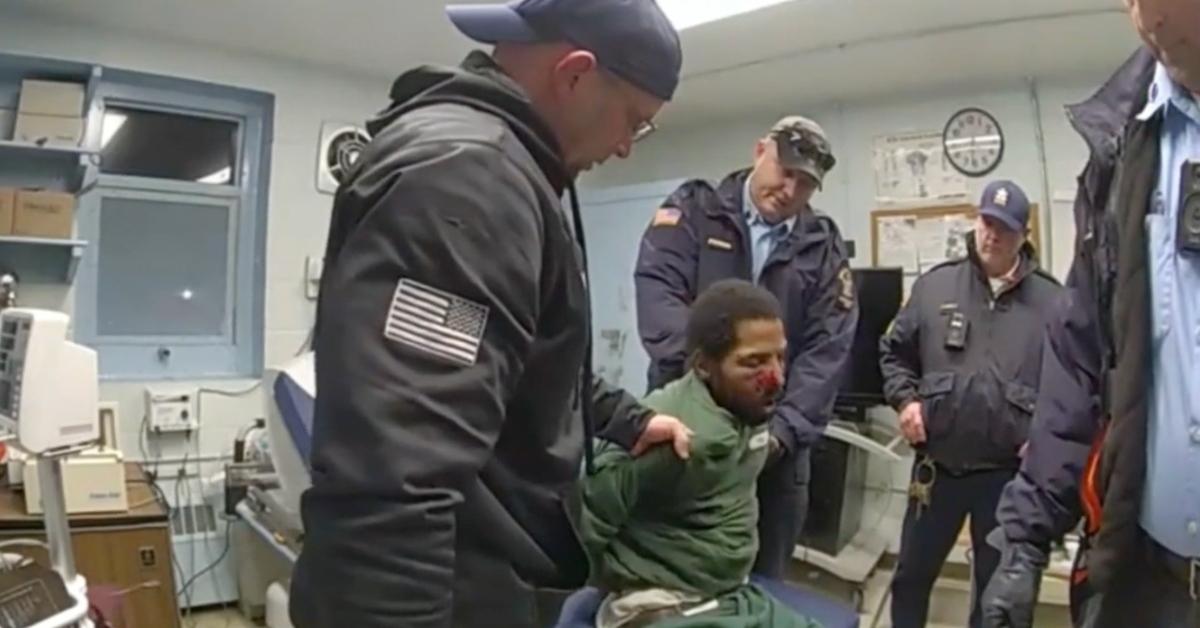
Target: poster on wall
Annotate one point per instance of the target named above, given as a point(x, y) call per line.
point(912, 169)
point(917, 244)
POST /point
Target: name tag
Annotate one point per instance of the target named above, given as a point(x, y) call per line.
point(720, 244)
point(760, 440)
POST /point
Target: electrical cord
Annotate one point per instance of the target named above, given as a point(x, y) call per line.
point(230, 393)
point(187, 595)
point(211, 566)
point(171, 513)
point(8, 566)
point(307, 345)
point(184, 497)
point(187, 590)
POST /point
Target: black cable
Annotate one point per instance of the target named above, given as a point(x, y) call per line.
point(142, 445)
point(229, 393)
point(187, 596)
point(213, 565)
point(166, 504)
point(152, 480)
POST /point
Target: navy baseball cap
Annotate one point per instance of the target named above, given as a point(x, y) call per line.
point(633, 39)
point(1006, 202)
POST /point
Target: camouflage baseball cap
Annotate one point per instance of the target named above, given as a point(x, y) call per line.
point(803, 146)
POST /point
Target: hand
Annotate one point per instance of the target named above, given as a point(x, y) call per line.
point(663, 429)
point(1011, 596)
point(912, 423)
point(774, 450)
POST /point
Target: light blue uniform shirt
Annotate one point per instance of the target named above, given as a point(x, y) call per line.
point(1171, 505)
point(764, 237)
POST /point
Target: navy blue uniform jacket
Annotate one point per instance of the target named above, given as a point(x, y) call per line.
point(699, 237)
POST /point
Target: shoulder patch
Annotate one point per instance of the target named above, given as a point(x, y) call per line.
point(436, 322)
point(846, 291)
point(666, 217)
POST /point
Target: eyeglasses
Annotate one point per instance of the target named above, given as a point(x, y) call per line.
point(644, 130)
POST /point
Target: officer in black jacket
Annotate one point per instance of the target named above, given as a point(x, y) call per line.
point(961, 365)
point(454, 394)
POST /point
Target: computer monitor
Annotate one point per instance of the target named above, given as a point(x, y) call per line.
point(880, 291)
point(49, 389)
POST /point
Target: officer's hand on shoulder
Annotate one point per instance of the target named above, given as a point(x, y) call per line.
point(912, 423)
point(665, 429)
point(774, 451)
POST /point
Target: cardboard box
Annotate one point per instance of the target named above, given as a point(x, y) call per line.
point(8, 117)
point(40, 214)
point(48, 130)
point(52, 98)
point(8, 204)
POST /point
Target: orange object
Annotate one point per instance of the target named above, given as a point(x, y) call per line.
point(1089, 489)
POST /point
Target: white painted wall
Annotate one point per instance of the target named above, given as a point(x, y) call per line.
point(299, 215)
point(717, 148)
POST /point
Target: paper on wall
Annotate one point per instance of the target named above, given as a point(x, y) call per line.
point(957, 230)
point(912, 168)
point(897, 243)
point(931, 242)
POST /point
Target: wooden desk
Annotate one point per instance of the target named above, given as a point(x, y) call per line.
point(125, 551)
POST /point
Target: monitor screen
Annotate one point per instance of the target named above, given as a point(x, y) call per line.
point(879, 293)
point(12, 345)
point(6, 397)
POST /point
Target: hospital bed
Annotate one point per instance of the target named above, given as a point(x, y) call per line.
point(273, 513)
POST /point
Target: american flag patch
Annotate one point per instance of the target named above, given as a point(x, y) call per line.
point(436, 322)
point(666, 217)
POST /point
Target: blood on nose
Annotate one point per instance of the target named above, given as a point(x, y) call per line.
point(768, 382)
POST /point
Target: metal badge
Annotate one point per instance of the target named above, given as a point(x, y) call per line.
point(1188, 230)
point(717, 243)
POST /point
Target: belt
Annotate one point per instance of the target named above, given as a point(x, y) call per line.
point(1184, 570)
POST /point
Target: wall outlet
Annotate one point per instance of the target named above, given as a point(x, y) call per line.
point(172, 409)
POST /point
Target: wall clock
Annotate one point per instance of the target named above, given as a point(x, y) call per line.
point(973, 142)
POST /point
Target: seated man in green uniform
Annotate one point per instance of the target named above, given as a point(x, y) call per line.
point(671, 542)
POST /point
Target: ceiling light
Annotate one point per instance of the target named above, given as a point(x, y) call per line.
point(688, 13)
point(219, 177)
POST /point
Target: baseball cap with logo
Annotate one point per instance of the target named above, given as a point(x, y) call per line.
point(803, 145)
point(1006, 202)
point(633, 39)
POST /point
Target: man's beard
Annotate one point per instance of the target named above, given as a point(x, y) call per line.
point(744, 413)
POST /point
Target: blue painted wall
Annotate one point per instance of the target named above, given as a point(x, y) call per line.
point(614, 220)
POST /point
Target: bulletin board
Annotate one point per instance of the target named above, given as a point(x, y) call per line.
point(918, 239)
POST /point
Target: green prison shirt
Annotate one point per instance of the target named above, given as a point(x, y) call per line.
point(658, 521)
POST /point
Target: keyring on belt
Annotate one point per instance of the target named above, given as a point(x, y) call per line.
point(921, 488)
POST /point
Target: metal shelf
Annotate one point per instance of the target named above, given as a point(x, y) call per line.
point(26, 149)
point(41, 260)
point(77, 164)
